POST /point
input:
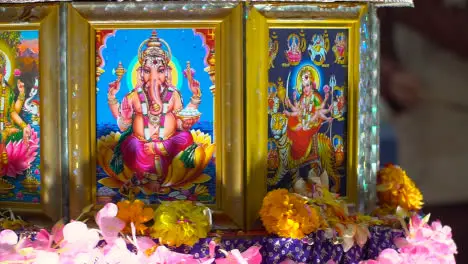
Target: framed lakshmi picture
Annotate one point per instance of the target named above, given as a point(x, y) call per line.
point(158, 108)
point(303, 86)
point(30, 155)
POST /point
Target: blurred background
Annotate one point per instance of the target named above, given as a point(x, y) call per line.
point(424, 105)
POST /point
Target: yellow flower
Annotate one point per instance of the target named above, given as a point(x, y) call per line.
point(136, 213)
point(288, 215)
point(180, 223)
point(395, 189)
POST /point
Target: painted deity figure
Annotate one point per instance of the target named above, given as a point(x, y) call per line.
point(149, 117)
point(340, 48)
point(294, 47)
point(305, 116)
point(310, 107)
point(12, 126)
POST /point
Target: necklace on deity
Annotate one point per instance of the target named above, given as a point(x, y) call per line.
point(2, 106)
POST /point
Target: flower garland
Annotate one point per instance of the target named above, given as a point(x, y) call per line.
point(76, 243)
point(312, 206)
point(134, 212)
point(181, 222)
point(288, 215)
point(395, 188)
point(285, 213)
point(423, 243)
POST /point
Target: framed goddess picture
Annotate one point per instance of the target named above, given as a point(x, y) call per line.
point(19, 116)
point(304, 121)
point(27, 158)
point(164, 97)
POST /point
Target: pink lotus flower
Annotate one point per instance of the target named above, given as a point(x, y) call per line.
point(17, 72)
point(161, 255)
point(108, 223)
point(19, 195)
point(11, 248)
point(250, 256)
point(424, 243)
point(289, 261)
point(46, 257)
point(77, 238)
point(21, 155)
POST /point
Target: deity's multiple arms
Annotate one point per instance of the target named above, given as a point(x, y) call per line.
point(21, 97)
point(16, 109)
point(122, 113)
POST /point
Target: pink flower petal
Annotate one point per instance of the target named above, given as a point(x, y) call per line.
point(8, 237)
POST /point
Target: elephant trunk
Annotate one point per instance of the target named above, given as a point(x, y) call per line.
point(155, 97)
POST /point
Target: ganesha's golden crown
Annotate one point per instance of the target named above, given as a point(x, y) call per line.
point(152, 49)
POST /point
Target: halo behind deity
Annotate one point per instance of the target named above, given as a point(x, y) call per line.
point(7, 65)
point(314, 74)
point(337, 140)
point(294, 36)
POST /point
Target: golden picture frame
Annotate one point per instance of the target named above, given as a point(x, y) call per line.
point(30, 50)
point(95, 64)
point(298, 56)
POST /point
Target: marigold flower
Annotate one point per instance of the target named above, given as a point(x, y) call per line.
point(395, 189)
point(288, 215)
point(134, 212)
point(179, 223)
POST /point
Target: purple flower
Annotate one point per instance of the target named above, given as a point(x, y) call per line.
point(19, 195)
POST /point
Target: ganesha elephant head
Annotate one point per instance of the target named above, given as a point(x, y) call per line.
point(154, 73)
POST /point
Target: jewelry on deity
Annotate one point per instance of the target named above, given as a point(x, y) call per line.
point(4, 157)
point(23, 125)
point(196, 100)
point(123, 123)
point(21, 97)
point(152, 149)
point(156, 107)
point(112, 100)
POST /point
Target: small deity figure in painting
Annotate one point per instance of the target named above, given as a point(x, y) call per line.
point(32, 106)
point(12, 126)
point(310, 107)
point(273, 47)
point(273, 158)
point(339, 105)
point(339, 150)
point(273, 100)
point(319, 47)
point(294, 52)
point(154, 124)
point(340, 48)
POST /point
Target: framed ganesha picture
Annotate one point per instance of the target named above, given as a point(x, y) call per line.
point(29, 153)
point(302, 110)
point(155, 120)
point(158, 115)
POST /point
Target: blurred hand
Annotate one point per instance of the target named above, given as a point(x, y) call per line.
point(404, 89)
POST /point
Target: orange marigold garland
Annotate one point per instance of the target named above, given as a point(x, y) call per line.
point(134, 212)
point(288, 215)
point(395, 188)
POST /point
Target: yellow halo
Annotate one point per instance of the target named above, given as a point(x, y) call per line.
point(314, 74)
point(10, 60)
